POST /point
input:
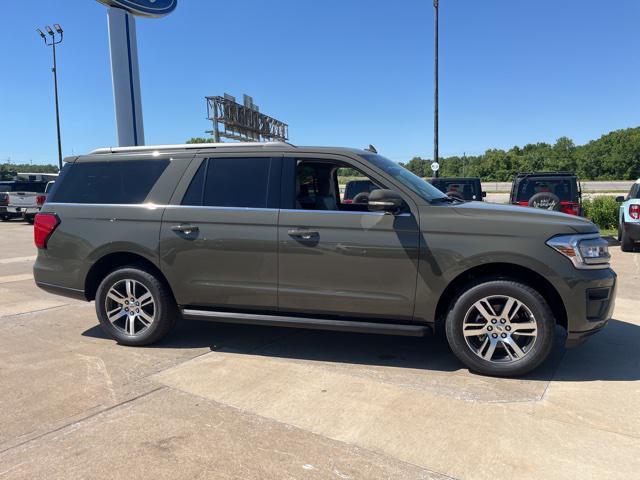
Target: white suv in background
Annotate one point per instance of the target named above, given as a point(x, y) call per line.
point(629, 221)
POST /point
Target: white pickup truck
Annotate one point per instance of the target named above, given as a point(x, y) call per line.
point(20, 199)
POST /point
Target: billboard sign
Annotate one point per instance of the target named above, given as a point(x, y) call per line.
point(144, 8)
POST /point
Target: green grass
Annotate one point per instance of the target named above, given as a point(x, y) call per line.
point(609, 232)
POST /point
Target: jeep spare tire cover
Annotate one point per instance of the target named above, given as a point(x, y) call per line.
point(545, 200)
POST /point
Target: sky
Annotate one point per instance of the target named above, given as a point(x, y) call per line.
point(339, 72)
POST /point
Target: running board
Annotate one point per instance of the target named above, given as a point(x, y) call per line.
point(309, 323)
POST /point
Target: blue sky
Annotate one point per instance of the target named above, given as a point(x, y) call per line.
point(340, 72)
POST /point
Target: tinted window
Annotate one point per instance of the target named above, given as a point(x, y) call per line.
point(564, 188)
point(236, 182)
point(195, 190)
point(37, 187)
point(115, 182)
point(467, 189)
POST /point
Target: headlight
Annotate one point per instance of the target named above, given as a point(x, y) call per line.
point(584, 251)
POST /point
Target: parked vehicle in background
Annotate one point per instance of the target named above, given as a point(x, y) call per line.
point(30, 214)
point(629, 221)
point(258, 233)
point(357, 191)
point(558, 191)
point(20, 198)
point(462, 188)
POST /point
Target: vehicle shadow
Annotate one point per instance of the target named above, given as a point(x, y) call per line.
point(611, 355)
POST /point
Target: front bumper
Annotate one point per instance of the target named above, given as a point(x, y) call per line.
point(590, 304)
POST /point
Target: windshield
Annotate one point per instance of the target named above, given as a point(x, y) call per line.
point(564, 188)
point(410, 180)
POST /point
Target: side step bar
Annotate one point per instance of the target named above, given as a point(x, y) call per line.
point(309, 323)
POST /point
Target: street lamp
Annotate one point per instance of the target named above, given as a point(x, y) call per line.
point(56, 38)
point(435, 91)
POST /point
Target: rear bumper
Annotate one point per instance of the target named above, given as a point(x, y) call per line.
point(62, 291)
point(633, 231)
point(16, 210)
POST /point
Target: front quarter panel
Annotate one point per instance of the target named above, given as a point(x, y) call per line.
point(452, 243)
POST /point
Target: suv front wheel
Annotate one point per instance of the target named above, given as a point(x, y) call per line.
point(134, 307)
point(500, 328)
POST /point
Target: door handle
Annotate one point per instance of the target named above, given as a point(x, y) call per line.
point(303, 233)
point(186, 229)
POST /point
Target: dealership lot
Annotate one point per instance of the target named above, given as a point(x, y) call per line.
point(220, 401)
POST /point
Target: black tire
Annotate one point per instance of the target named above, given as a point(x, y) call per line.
point(537, 352)
point(165, 309)
point(620, 231)
point(626, 244)
point(5, 219)
point(546, 201)
point(30, 220)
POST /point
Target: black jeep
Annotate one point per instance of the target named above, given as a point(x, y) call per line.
point(462, 188)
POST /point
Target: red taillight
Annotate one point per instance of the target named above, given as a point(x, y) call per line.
point(43, 227)
point(40, 199)
point(634, 212)
point(4, 199)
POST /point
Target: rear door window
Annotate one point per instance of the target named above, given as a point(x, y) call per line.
point(231, 182)
point(110, 182)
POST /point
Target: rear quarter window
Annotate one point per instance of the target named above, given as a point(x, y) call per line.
point(109, 182)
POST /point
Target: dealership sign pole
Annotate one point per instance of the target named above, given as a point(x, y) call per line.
point(124, 62)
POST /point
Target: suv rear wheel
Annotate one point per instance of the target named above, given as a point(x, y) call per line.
point(500, 328)
point(134, 307)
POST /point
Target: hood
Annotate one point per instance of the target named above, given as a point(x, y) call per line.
point(510, 220)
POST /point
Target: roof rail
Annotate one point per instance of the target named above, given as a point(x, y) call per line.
point(543, 174)
point(188, 146)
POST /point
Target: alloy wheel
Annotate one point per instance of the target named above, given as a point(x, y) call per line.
point(500, 329)
point(130, 307)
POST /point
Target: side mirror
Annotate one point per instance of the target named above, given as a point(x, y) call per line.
point(383, 200)
point(620, 199)
point(484, 194)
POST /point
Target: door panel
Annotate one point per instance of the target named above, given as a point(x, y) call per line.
point(229, 261)
point(354, 264)
point(218, 243)
point(343, 262)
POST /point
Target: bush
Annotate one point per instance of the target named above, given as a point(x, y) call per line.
point(603, 211)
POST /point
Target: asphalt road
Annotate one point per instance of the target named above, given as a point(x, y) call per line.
point(219, 401)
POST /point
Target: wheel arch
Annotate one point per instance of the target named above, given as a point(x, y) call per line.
point(113, 261)
point(501, 271)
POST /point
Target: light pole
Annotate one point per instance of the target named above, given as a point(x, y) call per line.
point(52, 43)
point(435, 90)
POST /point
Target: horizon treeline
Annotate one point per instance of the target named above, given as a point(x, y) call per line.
point(614, 156)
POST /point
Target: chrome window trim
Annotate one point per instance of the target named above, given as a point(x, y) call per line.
point(236, 209)
point(220, 208)
point(298, 210)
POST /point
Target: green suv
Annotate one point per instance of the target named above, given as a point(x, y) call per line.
point(259, 233)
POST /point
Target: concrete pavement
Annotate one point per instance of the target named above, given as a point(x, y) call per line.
point(221, 401)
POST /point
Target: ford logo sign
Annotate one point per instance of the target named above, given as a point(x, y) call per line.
point(145, 8)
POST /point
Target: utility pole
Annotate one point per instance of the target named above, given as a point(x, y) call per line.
point(435, 91)
point(52, 43)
